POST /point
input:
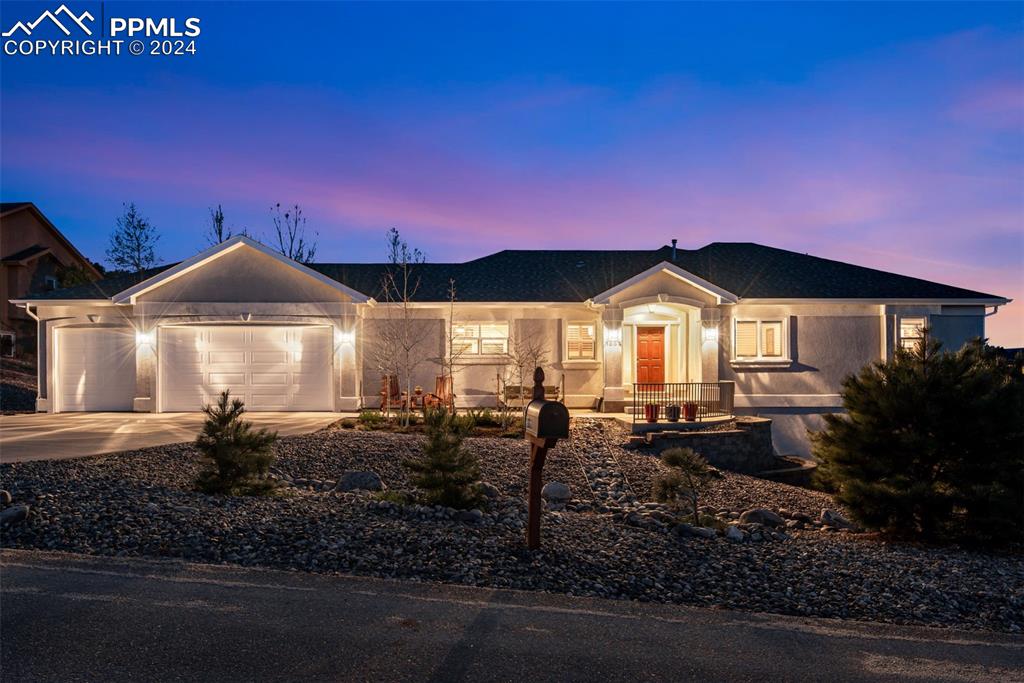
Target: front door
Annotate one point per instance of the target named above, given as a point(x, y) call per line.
point(650, 355)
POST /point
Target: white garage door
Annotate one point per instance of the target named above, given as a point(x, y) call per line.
point(270, 368)
point(95, 369)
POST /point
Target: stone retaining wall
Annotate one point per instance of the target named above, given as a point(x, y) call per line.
point(747, 448)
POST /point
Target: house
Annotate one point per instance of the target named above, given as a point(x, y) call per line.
point(33, 255)
point(778, 329)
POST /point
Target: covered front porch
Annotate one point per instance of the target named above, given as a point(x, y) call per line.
point(680, 405)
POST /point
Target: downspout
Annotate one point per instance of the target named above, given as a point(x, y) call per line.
point(39, 340)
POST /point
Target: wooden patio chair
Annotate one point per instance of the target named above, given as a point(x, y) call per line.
point(444, 394)
point(391, 395)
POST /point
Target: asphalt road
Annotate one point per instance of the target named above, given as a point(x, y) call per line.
point(74, 618)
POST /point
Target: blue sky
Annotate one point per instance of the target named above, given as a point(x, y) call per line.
point(890, 135)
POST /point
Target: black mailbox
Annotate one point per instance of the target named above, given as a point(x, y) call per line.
point(547, 420)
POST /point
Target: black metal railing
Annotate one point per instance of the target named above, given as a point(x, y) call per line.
point(682, 401)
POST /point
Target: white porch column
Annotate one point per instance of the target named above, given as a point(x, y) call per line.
point(710, 343)
point(145, 367)
point(614, 393)
point(346, 341)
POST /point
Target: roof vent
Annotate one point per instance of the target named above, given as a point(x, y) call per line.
point(674, 249)
point(580, 264)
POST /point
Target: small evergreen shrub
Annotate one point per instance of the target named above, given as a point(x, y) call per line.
point(931, 445)
point(445, 473)
point(237, 458)
point(684, 482)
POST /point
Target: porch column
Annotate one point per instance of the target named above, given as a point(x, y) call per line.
point(145, 368)
point(710, 343)
point(614, 393)
point(345, 340)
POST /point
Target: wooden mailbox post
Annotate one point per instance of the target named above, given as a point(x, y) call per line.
point(545, 422)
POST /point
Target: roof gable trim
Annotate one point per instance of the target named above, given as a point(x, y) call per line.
point(721, 295)
point(201, 259)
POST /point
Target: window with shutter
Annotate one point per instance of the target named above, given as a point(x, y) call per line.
point(746, 339)
point(759, 340)
point(581, 341)
point(911, 332)
point(771, 339)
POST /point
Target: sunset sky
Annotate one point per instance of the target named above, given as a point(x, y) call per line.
point(885, 135)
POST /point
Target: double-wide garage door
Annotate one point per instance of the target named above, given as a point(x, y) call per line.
point(270, 368)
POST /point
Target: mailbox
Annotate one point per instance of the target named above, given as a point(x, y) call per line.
point(547, 420)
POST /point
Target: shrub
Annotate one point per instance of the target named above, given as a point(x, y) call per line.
point(392, 496)
point(446, 473)
point(486, 418)
point(932, 445)
point(237, 458)
point(371, 418)
point(685, 481)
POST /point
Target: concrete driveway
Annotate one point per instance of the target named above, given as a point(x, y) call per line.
point(42, 436)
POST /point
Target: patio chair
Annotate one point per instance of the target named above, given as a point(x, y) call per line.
point(391, 395)
point(444, 394)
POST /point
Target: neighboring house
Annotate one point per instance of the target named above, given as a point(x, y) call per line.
point(779, 329)
point(33, 253)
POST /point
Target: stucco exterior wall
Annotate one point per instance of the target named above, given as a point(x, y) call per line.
point(244, 275)
point(476, 378)
point(954, 326)
point(823, 349)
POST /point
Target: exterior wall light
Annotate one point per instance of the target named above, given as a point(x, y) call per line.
point(711, 333)
point(347, 337)
point(143, 338)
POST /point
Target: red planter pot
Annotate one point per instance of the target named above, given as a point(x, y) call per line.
point(689, 412)
point(651, 411)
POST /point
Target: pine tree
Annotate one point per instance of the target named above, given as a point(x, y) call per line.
point(133, 242)
point(932, 444)
point(685, 481)
point(447, 474)
point(237, 457)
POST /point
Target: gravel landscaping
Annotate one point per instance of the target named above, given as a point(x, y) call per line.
point(610, 540)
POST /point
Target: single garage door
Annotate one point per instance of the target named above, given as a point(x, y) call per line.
point(270, 368)
point(95, 368)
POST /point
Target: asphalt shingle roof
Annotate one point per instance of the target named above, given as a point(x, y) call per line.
point(27, 253)
point(10, 206)
point(742, 268)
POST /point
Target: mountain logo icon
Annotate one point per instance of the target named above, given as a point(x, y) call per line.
point(69, 17)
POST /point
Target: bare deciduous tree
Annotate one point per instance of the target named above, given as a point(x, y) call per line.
point(452, 353)
point(527, 351)
point(400, 344)
point(290, 231)
point(133, 241)
point(218, 231)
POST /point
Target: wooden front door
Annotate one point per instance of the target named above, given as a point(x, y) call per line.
point(650, 354)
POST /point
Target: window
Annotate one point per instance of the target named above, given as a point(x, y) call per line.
point(476, 339)
point(911, 332)
point(51, 283)
point(581, 341)
point(759, 340)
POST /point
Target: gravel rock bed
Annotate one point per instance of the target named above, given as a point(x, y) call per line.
point(141, 503)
